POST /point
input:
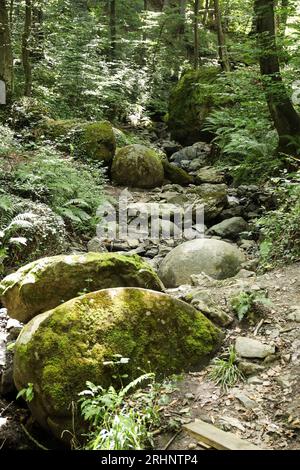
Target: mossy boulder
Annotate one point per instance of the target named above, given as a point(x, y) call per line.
point(90, 140)
point(137, 166)
point(217, 259)
point(58, 351)
point(48, 282)
point(177, 175)
point(191, 102)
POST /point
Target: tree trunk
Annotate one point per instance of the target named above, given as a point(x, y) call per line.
point(196, 34)
point(205, 14)
point(113, 28)
point(6, 57)
point(182, 11)
point(222, 48)
point(26, 49)
point(146, 11)
point(283, 18)
point(11, 12)
point(38, 33)
point(285, 118)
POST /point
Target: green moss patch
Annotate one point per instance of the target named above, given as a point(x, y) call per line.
point(74, 343)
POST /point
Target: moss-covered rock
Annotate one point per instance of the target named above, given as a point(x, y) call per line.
point(60, 350)
point(44, 284)
point(177, 175)
point(137, 166)
point(91, 140)
point(191, 101)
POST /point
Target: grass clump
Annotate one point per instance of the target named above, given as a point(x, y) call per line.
point(225, 372)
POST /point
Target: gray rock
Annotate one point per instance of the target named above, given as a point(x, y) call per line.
point(212, 196)
point(195, 165)
point(215, 258)
point(244, 274)
point(252, 348)
point(247, 245)
point(200, 151)
point(235, 211)
point(255, 381)
point(295, 316)
point(250, 368)
point(244, 399)
point(209, 174)
point(95, 245)
point(202, 301)
point(3, 337)
point(7, 385)
point(170, 147)
point(230, 228)
point(251, 265)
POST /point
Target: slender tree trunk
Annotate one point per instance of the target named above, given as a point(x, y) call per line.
point(6, 57)
point(182, 12)
point(26, 49)
point(113, 28)
point(38, 32)
point(283, 18)
point(205, 14)
point(196, 34)
point(146, 11)
point(285, 118)
point(222, 48)
point(11, 12)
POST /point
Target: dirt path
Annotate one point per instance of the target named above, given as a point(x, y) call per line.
point(265, 408)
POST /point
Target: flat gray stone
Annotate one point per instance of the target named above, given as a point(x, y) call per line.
point(252, 348)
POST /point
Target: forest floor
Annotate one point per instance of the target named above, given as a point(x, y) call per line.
point(264, 409)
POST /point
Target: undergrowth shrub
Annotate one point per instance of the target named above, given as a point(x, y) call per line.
point(243, 130)
point(8, 143)
point(71, 189)
point(280, 229)
point(28, 231)
point(123, 419)
point(224, 371)
point(248, 305)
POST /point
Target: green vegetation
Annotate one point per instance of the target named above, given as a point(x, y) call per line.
point(280, 229)
point(224, 372)
point(96, 95)
point(121, 420)
point(246, 304)
point(71, 189)
point(27, 393)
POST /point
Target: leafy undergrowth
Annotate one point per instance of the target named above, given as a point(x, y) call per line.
point(243, 131)
point(280, 229)
point(125, 419)
point(71, 189)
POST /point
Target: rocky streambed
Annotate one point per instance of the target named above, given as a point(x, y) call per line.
point(143, 278)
